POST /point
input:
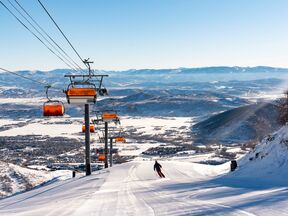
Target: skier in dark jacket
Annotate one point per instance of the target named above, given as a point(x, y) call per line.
point(158, 167)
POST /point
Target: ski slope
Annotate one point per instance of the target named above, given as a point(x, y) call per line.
point(134, 189)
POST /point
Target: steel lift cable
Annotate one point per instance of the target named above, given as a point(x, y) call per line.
point(33, 33)
point(43, 37)
point(36, 23)
point(82, 60)
point(30, 79)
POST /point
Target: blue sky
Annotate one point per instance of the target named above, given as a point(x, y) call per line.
point(134, 34)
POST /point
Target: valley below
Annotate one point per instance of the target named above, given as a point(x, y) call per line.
point(197, 125)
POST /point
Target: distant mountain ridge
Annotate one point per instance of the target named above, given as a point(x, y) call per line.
point(239, 125)
point(212, 69)
point(197, 92)
point(152, 78)
point(215, 69)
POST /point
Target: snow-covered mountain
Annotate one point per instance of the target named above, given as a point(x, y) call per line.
point(169, 92)
point(243, 124)
point(152, 78)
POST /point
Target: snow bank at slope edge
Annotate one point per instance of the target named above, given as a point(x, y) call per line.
point(269, 158)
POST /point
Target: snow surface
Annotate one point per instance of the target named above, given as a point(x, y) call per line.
point(134, 189)
point(72, 128)
point(269, 158)
point(258, 186)
point(46, 127)
point(57, 126)
point(147, 125)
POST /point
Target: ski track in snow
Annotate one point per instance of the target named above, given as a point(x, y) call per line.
point(135, 189)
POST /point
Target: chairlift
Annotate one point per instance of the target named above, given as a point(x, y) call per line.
point(84, 91)
point(106, 115)
point(120, 140)
point(92, 128)
point(101, 158)
point(53, 107)
point(110, 117)
point(82, 95)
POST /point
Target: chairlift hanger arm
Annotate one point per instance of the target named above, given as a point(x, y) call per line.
point(47, 88)
point(101, 79)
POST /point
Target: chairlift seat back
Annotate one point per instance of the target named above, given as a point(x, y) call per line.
point(109, 117)
point(81, 92)
point(101, 157)
point(53, 109)
point(81, 95)
point(120, 139)
point(92, 128)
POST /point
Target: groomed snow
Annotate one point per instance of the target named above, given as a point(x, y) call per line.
point(135, 189)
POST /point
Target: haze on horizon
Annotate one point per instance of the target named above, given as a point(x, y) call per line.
point(122, 35)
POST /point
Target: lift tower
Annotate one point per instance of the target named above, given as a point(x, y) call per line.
point(83, 89)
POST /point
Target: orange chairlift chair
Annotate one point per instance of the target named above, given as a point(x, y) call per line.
point(120, 140)
point(81, 95)
point(101, 158)
point(92, 128)
point(53, 107)
point(82, 89)
point(109, 117)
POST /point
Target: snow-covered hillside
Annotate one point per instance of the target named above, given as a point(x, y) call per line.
point(269, 159)
point(134, 189)
point(239, 125)
point(15, 179)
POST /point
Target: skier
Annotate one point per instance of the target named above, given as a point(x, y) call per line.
point(158, 167)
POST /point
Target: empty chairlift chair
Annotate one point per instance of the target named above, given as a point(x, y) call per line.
point(52, 107)
point(120, 140)
point(101, 158)
point(92, 128)
point(109, 117)
point(87, 95)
